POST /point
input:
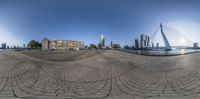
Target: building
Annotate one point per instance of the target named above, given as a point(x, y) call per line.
point(111, 44)
point(61, 44)
point(116, 46)
point(144, 41)
point(24, 46)
point(45, 44)
point(195, 45)
point(152, 44)
point(102, 41)
point(3, 45)
point(157, 45)
point(136, 44)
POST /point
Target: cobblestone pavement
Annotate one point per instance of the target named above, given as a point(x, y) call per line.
point(109, 74)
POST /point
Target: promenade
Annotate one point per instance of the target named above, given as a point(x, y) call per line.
point(97, 74)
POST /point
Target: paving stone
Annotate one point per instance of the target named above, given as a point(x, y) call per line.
point(98, 74)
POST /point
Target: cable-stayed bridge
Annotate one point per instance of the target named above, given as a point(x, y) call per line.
point(168, 38)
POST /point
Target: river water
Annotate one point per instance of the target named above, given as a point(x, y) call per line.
point(162, 52)
point(7, 50)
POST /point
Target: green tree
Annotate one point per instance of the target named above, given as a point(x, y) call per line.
point(34, 44)
point(93, 46)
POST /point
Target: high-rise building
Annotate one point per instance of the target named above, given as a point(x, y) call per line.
point(111, 44)
point(144, 41)
point(24, 46)
point(8, 47)
point(102, 41)
point(136, 44)
point(103, 44)
point(3, 45)
point(152, 44)
point(157, 45)
point(148, 41)
point(195, 45)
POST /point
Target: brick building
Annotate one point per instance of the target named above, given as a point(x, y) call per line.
point(61, 44)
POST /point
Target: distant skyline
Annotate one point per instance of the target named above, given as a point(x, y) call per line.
point(121, 21)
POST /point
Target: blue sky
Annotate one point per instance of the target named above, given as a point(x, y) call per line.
point(121, 21)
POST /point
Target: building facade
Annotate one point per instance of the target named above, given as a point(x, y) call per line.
point(102, 41)
point(3, 45)
point(61, 44)
point(195, 45)
point(144, 41)
point(116, 46)
point(136, 44)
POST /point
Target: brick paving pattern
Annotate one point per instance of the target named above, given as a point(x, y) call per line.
point(98, 74)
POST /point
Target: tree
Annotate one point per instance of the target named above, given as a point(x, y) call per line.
point(34, 44)
point(93, 46)
point(86, 46)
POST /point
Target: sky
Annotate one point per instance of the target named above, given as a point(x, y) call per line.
point(121, 21)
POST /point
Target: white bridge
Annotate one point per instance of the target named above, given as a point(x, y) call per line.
point(177, 38)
